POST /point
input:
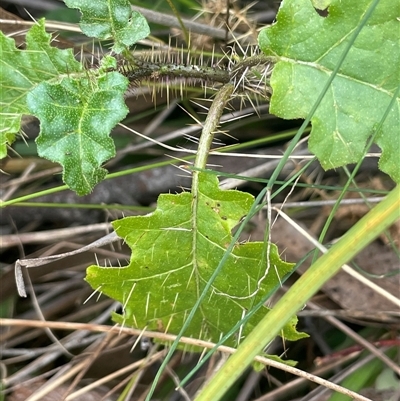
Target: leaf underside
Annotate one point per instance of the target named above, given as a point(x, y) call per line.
point(174, 253)
point(308, 46)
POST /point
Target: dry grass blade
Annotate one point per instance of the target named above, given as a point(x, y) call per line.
point(170, 337)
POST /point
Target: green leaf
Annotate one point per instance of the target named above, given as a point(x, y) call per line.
point(175, 250)
point(77, 116)
point(77, 108)
point(307, 48)
point(105, 19)
point(23, 70)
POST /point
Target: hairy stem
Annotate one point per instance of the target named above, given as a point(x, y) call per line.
point(211, 123)
point(137, 70)
point(247, 63)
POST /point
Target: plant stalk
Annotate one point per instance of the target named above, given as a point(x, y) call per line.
point(206, 138)
point(139, 70)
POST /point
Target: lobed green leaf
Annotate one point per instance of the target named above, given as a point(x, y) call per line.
point(175, 250)
point(308, 46)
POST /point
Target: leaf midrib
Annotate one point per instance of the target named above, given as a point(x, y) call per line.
point(329, 71)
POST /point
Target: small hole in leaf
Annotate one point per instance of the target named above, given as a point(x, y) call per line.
point(321, 7)
point(322, 13)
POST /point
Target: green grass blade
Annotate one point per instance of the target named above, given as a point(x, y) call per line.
point(360, 235)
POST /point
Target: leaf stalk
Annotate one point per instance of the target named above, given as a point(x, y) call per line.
point(207, 135)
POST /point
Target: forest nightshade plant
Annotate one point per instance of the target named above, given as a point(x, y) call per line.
point(304, 52)
point(187, 269)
